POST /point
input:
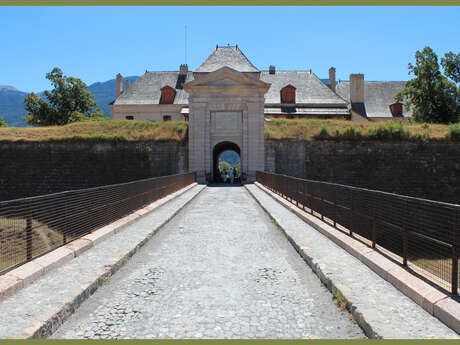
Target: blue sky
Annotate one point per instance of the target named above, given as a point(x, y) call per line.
point(96, 43)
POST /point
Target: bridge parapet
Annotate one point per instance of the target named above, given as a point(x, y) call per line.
point(31, 227)
point(422, 235)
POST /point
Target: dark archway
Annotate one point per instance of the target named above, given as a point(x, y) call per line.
point(218, 150)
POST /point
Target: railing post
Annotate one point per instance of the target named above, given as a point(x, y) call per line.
point(335, 207)
point(297, 193)
point(66, 222)
point(322, 201)
point(29, 237)
point(374, 228)
point(405, 236)
point(456, 229)
point(351, 213)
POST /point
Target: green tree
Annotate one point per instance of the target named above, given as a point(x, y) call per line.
point(3, 123)
point(451, 64)
point(69, 101)
point(430, 94)
point(224, 166)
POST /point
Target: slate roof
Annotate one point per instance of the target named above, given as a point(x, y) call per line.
point(227, 56)
point(307, 111)
point(378, 95)
point(309, 88)
point(147, 89)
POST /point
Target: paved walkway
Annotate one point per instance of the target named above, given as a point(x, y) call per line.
point(381, 308)
point(219, 269)
point(38, 309)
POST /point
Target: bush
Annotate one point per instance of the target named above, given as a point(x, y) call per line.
point(323, 131)
point(3, 123)
point(349, 132)
point(423, 137)
point(280, 122)
point(268, 134)
point(453, 133)
point(388, 130)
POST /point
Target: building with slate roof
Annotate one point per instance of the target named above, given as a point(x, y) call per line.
point(160, 96)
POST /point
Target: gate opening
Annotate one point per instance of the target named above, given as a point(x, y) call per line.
point(226, 155)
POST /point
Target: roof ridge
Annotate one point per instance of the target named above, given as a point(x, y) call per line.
point(377, 81)
point(327, 87)
point(222, 56)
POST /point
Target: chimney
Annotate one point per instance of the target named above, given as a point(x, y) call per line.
point(271, 69)
point(183, 69)
point(332, 78)
point(357, 88)
point(127, 85)
point(119, 84)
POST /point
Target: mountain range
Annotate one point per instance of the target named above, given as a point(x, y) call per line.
point(12, 100)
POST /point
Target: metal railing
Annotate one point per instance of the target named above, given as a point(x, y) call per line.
point(33, 226)
point(418, 233)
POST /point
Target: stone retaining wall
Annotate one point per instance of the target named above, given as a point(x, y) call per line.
point(34, 168)
point(430, 170)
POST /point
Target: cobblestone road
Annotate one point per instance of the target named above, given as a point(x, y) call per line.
point(219, 269)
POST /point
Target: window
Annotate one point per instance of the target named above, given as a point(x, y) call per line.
point(396, 109)
point(288, 94)
point(167, 95)
point(166, 117)
point(129, 117)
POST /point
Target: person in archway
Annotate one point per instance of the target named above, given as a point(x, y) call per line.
point(225, 175)
point(232, 175)
point(237, 176)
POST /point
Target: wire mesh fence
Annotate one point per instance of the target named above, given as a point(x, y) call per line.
point(421, 234)
point(33, 226)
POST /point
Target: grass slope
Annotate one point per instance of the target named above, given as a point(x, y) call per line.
point(313, 129)
point(305, 129)
point(104, 130)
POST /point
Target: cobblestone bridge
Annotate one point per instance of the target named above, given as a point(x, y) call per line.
point(211, 263)
point(219, 269)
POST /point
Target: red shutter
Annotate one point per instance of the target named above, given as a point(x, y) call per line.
point(167, 95)
point(288, 94)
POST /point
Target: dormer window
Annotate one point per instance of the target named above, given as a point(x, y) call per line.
point(288, 94)
point(396, 109)
point(167, 95)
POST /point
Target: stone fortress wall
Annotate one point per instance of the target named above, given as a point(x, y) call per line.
point(429, 171)
point(29, 169)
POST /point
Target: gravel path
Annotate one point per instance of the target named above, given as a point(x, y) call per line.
point(219, 269)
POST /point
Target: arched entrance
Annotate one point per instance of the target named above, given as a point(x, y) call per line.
point(226, 105)
point(220, 149)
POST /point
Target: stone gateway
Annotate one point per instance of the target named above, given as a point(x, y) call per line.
point(226, 112)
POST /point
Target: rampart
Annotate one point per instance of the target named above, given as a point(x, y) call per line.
point(36, 168)
point(427, 170)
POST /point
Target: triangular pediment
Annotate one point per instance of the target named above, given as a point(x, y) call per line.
point(223, 78)
point(224, 82)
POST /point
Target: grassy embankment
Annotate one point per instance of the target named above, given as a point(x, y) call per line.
point(306, 129)
point(106, 130)
point(310, 129)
